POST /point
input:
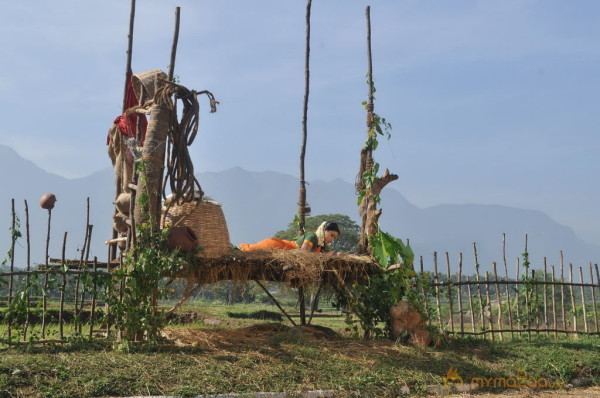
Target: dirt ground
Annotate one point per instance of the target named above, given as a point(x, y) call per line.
point(225, 339)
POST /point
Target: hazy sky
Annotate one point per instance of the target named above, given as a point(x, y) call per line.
point(491, 102)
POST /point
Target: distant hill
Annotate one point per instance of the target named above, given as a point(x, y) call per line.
point(257, 204)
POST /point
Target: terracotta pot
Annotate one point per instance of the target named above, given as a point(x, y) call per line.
point(47, 201)
point(122, 202)
point(120, 222)
point(182, 238)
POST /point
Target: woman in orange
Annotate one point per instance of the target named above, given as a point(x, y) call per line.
point(315, 242)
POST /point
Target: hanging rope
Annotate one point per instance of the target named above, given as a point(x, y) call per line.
point(180, 169)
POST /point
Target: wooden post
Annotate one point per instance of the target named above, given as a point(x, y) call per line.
point(545, 294)
point(489, 302)
point(451, 309)
point(61, 311)
point(44, 295)
point(276, 303)
point(562, 293)
point(471, 306)
point(594, 298)
point(478, 285)
point(301, 299)
point(536, 302)
point(28, 268)
point(436, 280)
point(554, 309)
point(460, 305)
point(507, 286)
point(13, 240)
point(585, 323)
point(573, 304)
point(94, 297)
point(302, 191)
point(499, 302)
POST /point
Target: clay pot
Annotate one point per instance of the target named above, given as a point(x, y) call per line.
point(182, 238)
point(47, 201)
point(122, 202)
point(120, 222)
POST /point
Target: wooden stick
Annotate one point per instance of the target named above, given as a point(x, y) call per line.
point(460, 305)
point(585, 323)
point(489, 303)
point(62, 292)
point(510, 320)
point(546, 294)
point(478, 286)
point(573, 305)
point(13, 240)
point(536, 301)
point(313, 307)
point(499, 302)
point(28, 267)
point(562, 292)
point(451, 309)
point(594, 298)
point(302, 304)
point(302, 189)
point(520, 320)
point(276, 303)
point(94, 297)
point(45, 296)
point(471, 306)
point(554, 309)
point(437, 290)
point(174, 44)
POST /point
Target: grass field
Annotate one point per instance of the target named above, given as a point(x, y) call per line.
point(222, 349)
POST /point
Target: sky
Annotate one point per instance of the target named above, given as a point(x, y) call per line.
point(490, 102)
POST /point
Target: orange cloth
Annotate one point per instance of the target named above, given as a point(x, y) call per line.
point(269, 244)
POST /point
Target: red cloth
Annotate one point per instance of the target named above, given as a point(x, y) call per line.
point(127, 124)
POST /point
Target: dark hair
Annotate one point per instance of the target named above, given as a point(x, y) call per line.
point(332, 226)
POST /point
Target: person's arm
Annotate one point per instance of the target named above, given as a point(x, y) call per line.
point(309, 242)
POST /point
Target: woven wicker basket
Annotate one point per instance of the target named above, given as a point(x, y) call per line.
point(207, 220)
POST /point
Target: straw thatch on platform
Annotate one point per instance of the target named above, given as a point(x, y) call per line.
point(293, 267)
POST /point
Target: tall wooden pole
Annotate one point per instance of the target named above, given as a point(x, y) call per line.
point(302, 193)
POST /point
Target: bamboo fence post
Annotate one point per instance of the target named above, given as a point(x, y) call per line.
point(594, 298)
point(121, 289)
point(545, 294)
point(554, 324)
point(498, 297)
point(460, 305)
point(518, 306)
point(585, 322)
point(28, 268)
point(510, 320)
point(94, 297)
point(572, 293)
point(62, 291)
point(423, 294)
point(489, 304)
point(536, 302)
point(562, 293)
point(13, 239)
point(471, 306)
point(527, 304)
point(478, 285)
point(451, 309)
point(437, 289)
point(44, 294)
point(82, 257)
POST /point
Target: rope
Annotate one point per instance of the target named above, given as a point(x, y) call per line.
point(181, 134)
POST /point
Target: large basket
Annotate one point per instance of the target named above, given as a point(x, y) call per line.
point(207, 220)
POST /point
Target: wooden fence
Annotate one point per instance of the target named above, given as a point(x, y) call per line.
point(544, 301)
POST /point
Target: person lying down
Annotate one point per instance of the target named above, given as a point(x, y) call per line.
point(317, 241)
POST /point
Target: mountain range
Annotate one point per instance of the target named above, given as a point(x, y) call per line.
point(258, 204)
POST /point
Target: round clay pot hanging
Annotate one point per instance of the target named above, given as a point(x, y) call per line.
point(47, 201)
point(182, 238)
point(122, 202)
